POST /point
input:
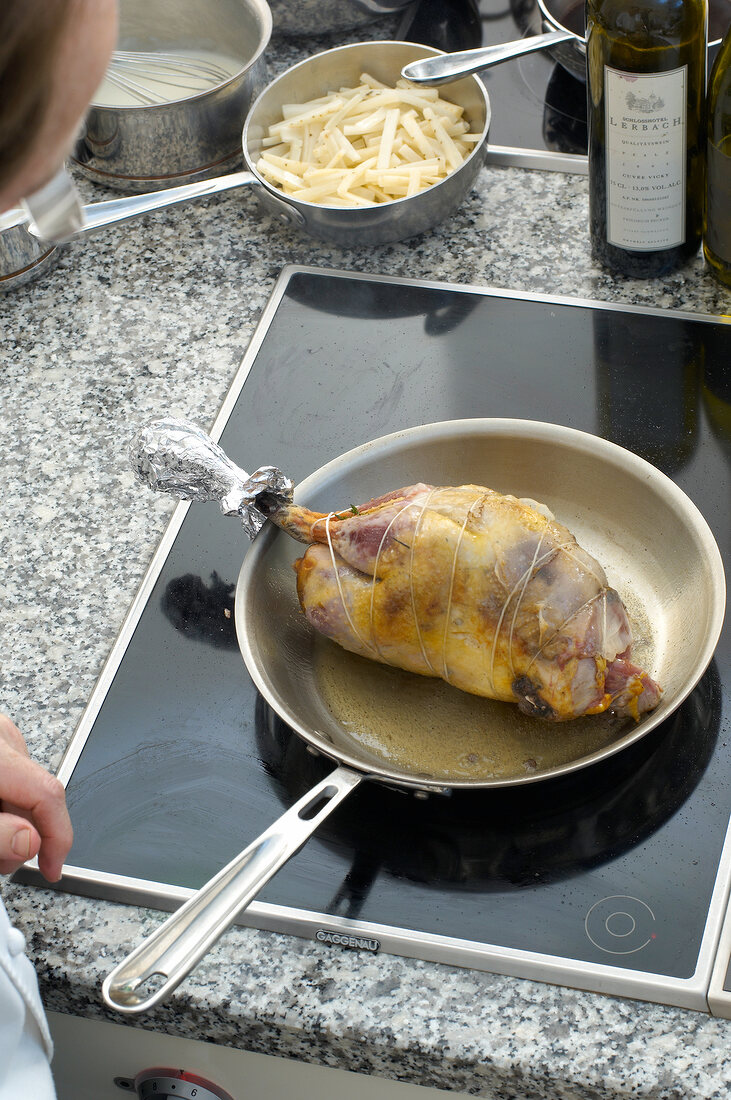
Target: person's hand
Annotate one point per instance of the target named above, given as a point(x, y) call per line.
point(34, 820)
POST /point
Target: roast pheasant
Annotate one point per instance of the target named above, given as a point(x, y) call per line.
point(486, 591)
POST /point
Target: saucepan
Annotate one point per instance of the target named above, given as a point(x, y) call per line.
point(378, 724)
point(22, 257)
point(322, 73)
point(557, 26)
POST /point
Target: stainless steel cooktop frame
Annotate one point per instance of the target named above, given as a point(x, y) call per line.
point(508, 156)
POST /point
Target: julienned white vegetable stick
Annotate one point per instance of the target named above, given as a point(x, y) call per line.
point(363, 126)
point(417, 135)
point(284, 149)
point(418, 100)
point(337, 160)
point(348, 109)
point(356, 177)
point(407, 153)
point(324, 175)
point(314, 194)
point(397, 97)
point(433, 166)
point(349, 198)
point(271, 171)
point(311, 134)
point(327, 147)
point(315, 114)
point(366, 78)
point(294, 110)
point(451, 152)
point(284, 163)
point(414, 184)
point(387, 135)
point(349, 150)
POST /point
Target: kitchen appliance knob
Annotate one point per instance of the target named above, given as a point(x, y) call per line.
point(162, 1083)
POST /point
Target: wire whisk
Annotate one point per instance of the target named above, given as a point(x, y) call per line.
point(150, 77)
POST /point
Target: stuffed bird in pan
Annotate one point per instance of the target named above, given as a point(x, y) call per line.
point(486, 591)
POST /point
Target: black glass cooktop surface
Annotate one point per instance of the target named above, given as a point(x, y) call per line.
point(184, 764)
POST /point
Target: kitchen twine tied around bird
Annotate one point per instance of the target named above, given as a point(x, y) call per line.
point(175, 456)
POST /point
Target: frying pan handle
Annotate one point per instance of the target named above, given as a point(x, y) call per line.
point(177, 945)
point(113, 211)
point(447, 67)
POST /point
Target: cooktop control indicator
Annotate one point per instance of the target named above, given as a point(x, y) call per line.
point(620, 925)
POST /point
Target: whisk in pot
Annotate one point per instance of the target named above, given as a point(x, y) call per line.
point(147, 77)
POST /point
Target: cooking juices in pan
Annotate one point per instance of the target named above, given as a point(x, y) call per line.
point(396, 716)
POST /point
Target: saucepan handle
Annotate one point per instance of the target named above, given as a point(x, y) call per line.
point(113, 211)
point(444, 68)
point(177, 945)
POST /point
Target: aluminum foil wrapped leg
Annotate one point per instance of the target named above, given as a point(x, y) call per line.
point(175, 456)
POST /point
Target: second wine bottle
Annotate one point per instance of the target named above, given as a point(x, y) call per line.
point(646, 72)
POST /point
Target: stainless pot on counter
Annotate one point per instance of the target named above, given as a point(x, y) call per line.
point(22, 257)
point(140, 146)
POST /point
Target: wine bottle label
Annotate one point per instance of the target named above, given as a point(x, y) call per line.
point(645, 127)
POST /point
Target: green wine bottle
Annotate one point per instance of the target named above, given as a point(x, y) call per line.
point(646, 75)
point(717, 219)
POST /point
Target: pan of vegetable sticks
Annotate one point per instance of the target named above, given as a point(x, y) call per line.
point(341, 147)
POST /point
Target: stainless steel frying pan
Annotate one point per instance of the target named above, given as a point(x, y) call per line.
point(314, 77)
point(657, 551)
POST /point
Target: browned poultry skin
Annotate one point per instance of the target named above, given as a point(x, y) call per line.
point(480, 589)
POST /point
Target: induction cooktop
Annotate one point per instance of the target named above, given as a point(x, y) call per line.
point(613, 879)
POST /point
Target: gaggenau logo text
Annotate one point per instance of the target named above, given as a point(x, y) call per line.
point(341, 939)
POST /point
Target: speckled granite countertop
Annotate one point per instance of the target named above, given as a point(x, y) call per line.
point(156, 316)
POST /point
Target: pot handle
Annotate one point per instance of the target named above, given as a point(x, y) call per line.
point(181, 941)
point(447, 67)
point(113, 211)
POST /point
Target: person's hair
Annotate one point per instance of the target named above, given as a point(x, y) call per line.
point(29, 34)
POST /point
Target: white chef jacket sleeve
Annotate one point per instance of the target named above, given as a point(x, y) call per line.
point(25, 1042)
